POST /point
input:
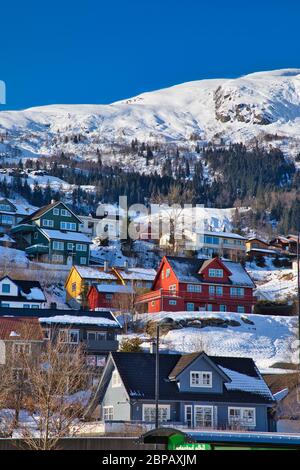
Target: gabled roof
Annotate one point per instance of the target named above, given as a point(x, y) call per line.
point(27, 290)
point(16, 329)
point(93, 273)
point(187, 270)
point(187, 359)
point(137, 274)
point(104, 318)
point(137, 371)
point(114, 289)
point(43, 210)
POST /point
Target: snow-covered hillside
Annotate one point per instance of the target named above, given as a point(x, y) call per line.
point(265, 338)
point(263, 106)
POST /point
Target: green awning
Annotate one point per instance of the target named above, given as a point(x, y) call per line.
point(36, 249)
point(23, 228)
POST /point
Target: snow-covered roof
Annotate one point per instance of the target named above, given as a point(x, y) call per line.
point(281, 394)
point(262, 250)
point(68, 236)
point(22, 208)
point(114, 289)
point(34, 294)
point(246, 383)
point(239, 275)
point(138, 274)
point(224, 235)
point(80, 320)
point(94, 273)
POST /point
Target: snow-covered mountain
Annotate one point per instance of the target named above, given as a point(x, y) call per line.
point(263, 106)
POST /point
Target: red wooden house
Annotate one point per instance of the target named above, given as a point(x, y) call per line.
point(188, 284)
point(107, 295)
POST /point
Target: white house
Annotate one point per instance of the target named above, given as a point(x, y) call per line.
point(21, 294)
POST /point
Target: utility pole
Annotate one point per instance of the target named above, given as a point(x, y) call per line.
point(157, 379)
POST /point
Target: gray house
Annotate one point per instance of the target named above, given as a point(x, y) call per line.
point(196, 391)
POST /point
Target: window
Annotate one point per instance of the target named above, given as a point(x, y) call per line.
point(7, 219)
point(57, 258)
point(6, 288)
point(65, 213)
point(6, 207)
point(21, 348)
point(223, 308)
point(96, 335)
point(172, 302)
point(56, 211)
point(153, 303)
point(237, 292)
point(242, 417)
point(211, 290)
point(193, 288)
point(219, 290)
point(58, 245)
point(36, 235)
point(109, 296)
point(215, 272)
point(81, 247)
point(241, 309)
point(190, 307)
point(70, 246)
point(73, 287)
point(47, 333)
point(26, 306)
point(209, 240)
point(209, 307)
point(108, 413)
point(83, 260)
point(5, 305)
point(150, 410)
point(48, 223)
point(188, 415)
point(172, 289)
point(200, 379)
point(68, 226)
point(68, 336)
point(168, 272)
point(116, 379)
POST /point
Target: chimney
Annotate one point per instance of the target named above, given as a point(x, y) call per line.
point(53, 201)
point(126, 266)
point(153, 347)
point(105, 266)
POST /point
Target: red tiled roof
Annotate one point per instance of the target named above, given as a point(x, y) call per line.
point(16, 329)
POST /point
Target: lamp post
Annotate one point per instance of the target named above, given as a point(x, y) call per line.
point(157, 378)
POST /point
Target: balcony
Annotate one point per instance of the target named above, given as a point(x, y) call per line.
point(104, 345)
point(37, 249)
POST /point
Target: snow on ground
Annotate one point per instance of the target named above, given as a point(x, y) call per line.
point(268, 341)
point(11, 256)
point(275, 284)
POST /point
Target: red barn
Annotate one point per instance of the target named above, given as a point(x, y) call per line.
point(106, 295)
point(188, 284)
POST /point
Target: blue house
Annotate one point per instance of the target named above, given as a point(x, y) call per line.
point(195, 390)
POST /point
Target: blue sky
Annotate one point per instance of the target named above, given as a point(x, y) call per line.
point(96, 51)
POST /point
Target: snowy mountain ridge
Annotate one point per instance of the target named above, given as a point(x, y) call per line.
point(262, 106)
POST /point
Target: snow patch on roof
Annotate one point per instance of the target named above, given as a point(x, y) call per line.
point(83, 320)
point(245, 383)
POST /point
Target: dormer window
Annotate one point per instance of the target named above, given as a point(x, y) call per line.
point(201, 379)
point(215, 272)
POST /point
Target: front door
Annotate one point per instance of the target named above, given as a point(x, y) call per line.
point(203, 416)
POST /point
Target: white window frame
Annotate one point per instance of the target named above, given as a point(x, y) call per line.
point(70, 246)
point(241, 421)
point(48, 223)
point(116, 381)
point(194, 288)
point(65, 213)
point(22, 348)
point(110, 411)
point(211, 290)
point(160, 407)
point(81, 247)
point(190, 309)
point(203, 407)
point(68, 336)
point(172, 302)
point(200, 374)
point(168, 272)
point(55, 211)
point(83, 260)
point(216, 272)
point(58, 245)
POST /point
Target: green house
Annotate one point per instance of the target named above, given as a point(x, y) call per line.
point(52, 235)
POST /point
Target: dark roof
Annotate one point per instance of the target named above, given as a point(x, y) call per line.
point(48, 313)
point(38, 213)
point(137, 371)
point(187, 270)
point(16, 329)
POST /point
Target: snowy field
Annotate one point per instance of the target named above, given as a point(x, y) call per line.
point(269, 340)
